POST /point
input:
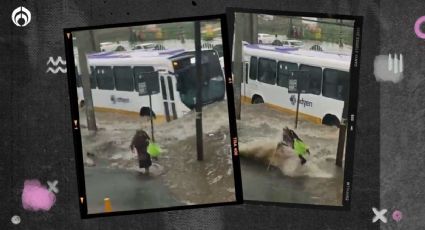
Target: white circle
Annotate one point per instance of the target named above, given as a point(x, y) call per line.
point(16, 219)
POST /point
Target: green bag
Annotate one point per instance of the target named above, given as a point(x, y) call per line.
point(300, 148)
point(153, 149)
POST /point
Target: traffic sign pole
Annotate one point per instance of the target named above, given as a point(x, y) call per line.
point(150, 115)
point(298, 106)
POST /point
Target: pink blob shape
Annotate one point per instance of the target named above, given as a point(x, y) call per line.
point(397, 215)
point(418, 24)
point(36, 197)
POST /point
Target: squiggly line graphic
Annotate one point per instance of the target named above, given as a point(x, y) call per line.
point(50, 69)
point(55, 63)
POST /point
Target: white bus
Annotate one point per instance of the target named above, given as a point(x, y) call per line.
point(266, 71)
point(115, 77)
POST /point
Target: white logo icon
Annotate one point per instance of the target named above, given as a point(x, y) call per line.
point(21, 16)
point(379, 215)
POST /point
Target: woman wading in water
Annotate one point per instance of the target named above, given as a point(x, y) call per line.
point(139, 145)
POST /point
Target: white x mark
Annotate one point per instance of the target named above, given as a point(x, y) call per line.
point(52, 186)
point(379, 215)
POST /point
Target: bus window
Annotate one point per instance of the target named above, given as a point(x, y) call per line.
point(164, 91)
point(186, 76)
point(139, 72)
point(267, 71)
point(315, 73)
point(253, 68)
point(284, 69)
point(124, 78)
point(170, 88)
point(104, 77)
point(213, 67)
point(335, 84)
point(93, 83)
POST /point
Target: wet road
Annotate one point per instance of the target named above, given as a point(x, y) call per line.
point(127, 190)
point(262, 185)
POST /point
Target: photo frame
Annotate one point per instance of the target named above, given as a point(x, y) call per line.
point(265, 178)
point(109, 72)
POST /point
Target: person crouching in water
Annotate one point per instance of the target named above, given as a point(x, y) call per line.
point(139, 145)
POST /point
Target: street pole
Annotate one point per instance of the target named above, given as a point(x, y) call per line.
point(198, 106)
point(298, 106)
point(237, 64)
point(341, 139)
point(95, 41)
point(150, 115)
point(254, 28)
point(290, 28)
point(84, 46)
point(341, 144)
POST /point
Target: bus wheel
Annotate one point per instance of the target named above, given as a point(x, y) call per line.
point(257, 100)
point(330, 120)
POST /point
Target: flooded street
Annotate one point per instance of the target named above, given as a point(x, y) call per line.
point(127, 190)
point(176, 177)
point(271, 185)
point(319, 181)
point(180, 179)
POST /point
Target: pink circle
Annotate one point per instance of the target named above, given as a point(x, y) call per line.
point(397, 215)
point(418, 24)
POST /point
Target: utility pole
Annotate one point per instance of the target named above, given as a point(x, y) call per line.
point(291, 30)
point(85, 46)
point(181, 34)
point(254, 28)
point(250, 25)
point(342, 137)
point(198, 106)
point(341, 43)
point(237, 63)
point(150, 115)
point(95, 41)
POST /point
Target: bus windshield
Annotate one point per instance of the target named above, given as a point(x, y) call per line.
point(212, 78)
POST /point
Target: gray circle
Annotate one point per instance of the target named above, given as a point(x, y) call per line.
point(16, 219)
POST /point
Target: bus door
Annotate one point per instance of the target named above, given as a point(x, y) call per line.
point(167, 89)
point(251, 84)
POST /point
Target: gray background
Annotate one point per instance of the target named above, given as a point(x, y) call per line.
point(36, 139)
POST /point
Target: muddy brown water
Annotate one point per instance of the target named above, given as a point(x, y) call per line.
point(270, 185)
point(184, 180)
point(260, 123)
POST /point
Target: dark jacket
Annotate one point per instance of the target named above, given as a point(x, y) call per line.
point(140, 142)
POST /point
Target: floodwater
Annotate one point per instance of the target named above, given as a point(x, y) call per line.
point(127, 190)
point(178, 177)
point(319, 181)
point(263, 184)
point(184, 180)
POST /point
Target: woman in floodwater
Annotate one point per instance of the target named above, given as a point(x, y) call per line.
point(139, 145)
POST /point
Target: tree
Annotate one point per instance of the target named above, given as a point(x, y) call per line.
point(237, 63)
point(85, 46)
